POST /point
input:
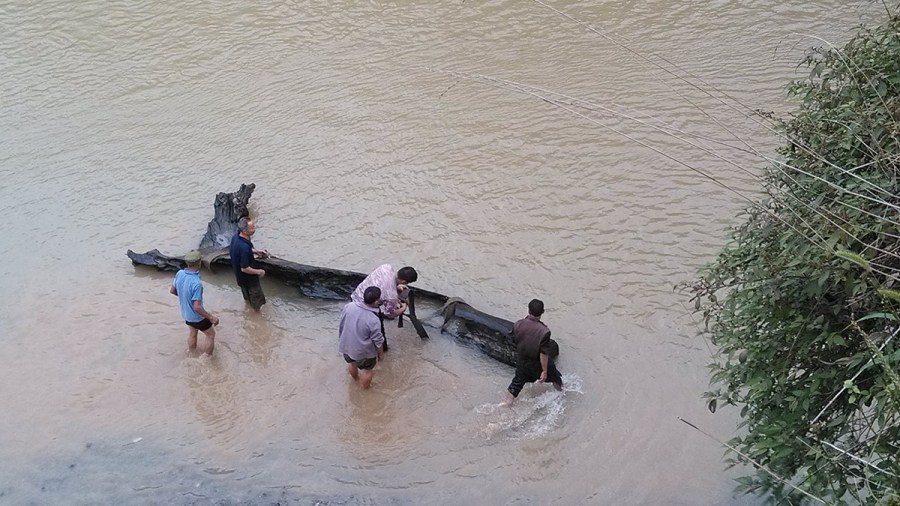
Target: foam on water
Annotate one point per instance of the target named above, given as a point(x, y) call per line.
point(537, 411)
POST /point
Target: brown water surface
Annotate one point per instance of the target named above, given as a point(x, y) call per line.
point(371, 139)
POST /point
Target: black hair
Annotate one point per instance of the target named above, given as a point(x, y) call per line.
point(371, 295)
point(408, 274)
point(536, 307)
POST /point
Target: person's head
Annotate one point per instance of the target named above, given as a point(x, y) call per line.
point(246, 226)
point(192, 259)
point(536, 308)
point(407, 275)
point(372, 296)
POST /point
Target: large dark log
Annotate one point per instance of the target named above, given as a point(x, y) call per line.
point(488, 333)
point(229, 209)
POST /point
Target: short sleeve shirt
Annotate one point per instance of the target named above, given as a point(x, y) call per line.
point(359, 331)
point(189, 288)
point(241, 253)
point(532, 337)
point(385, 278)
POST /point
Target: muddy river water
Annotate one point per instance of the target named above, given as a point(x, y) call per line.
point(453, 136)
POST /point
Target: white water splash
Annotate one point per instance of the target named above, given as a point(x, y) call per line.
point(537, 411)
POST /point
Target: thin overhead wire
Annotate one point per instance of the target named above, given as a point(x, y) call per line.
point(652, 148)
point(753, 116)
point(847, 63)
point(755, 463)
point(663, 128)
point(587, 104)
point(841, 391)
point(529, 90)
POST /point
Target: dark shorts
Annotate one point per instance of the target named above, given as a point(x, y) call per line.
point(203, 324)
point(252, 292)
point(529, 372)
point(366, 363)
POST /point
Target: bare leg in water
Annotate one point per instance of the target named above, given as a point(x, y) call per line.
point(192, 339)
point(210, 334)
point(364, 376)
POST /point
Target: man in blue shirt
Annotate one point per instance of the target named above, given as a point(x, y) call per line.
point(189, 289)
point(241, 252)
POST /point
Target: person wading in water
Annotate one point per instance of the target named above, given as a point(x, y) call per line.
point(394, 291)
point(189, 290)
point(361, 340)
point(535, 353)
point(242, 254)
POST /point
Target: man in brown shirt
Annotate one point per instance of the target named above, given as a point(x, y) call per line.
point(535, 352)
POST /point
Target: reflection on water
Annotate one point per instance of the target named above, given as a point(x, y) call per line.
point(215, 395)
point(383, 423)
point(369, 429)
point(260, 336)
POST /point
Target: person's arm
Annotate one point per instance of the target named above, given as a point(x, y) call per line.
point(401, 308)
point(247, 269)
point(545, 362)
point(198, 307)
point(377, 338)
point(197, 303)
point(173, 291)
point(253, 272)
point(393, 308)
point(545, 355)
point(263, 253)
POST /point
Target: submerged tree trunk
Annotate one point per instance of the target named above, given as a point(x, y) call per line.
point(487, 333)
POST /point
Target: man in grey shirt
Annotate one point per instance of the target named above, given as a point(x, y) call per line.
point(361, 340)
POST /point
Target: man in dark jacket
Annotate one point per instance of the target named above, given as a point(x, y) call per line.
point(242, 255)
point(535, 352)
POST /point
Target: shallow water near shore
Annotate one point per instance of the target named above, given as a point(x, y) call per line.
point(121, 121)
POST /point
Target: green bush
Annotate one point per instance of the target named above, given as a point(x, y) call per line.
point(803, 302)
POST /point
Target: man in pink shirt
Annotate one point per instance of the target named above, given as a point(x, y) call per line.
point(394, 290)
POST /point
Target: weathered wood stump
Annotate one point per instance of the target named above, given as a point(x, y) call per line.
point(487, 333)
point(229, 209)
